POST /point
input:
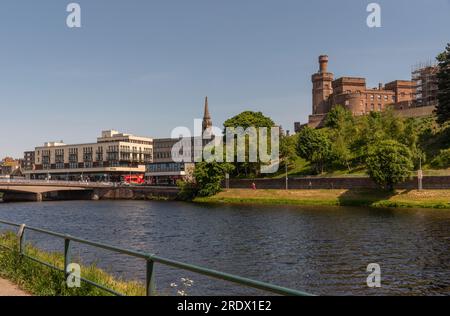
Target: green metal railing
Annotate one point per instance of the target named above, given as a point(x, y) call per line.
point(149, 259)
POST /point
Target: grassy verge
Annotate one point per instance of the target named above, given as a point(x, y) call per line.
point(40, 280)
point(372, 198)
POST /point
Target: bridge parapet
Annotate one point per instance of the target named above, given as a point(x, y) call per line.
point(79, 184)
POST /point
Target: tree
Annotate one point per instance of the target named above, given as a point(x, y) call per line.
point(314, 146)
point(338, 118)
point(388, 163)
point(443, 76)
point(245, 120)
point(442, 160)
point(342, 133)
point(209, 176)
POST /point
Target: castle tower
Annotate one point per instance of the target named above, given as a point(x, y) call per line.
point(207, 121)
point(322, 87)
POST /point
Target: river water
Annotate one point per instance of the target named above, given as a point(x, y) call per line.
point(321, 250)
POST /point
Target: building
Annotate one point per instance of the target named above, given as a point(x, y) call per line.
point(27, 163)
point(353, 94)
point(164, 170)
point(8, 166)
point(112, 157)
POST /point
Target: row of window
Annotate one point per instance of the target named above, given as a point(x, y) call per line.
point(165, 167)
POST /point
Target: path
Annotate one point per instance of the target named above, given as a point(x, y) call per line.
point(9, 289)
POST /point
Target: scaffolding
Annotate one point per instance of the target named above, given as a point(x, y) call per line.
point(424, 76)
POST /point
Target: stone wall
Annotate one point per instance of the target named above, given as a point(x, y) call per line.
point(422, 111)
point(335, 183)
point(136, 193)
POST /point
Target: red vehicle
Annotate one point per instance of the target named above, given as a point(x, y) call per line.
point(134, 179)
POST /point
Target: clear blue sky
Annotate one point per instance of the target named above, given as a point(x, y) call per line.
point(144, 67)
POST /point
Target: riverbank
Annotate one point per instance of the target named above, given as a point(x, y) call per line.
point(39, 280)
point(439, 199)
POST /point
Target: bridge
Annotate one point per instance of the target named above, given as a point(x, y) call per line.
point(35, 190)
point(12, 190)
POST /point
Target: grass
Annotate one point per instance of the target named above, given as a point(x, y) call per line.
point(373, 198)
point(40, 280)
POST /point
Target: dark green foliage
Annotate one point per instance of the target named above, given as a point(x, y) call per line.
point(245, 120)
point(188, 190)
point(314, 146)
point(388, 163)
point(443, 109)
point(249, 119)
point(209, 176)
point(207, 181)
point(442, 160)
point(288, 153)
point(338, 118)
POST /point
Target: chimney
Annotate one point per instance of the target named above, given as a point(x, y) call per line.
point(380, 86)
point(323, 61)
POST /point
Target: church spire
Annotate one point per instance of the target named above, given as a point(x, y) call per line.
point(207, 121)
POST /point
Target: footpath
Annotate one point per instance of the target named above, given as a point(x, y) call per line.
point(9, 289)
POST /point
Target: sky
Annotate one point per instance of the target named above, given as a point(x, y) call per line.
point(144, 66)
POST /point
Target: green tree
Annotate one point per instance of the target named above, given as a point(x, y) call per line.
point(443, 108)
point(288, 153)
point(209, 177)
point(342, 133)
point(314, 146)
point(249, 119)
point(374, 128)
point(339, 118)
point(245, 120)
point(442, 160)
point(388, 163)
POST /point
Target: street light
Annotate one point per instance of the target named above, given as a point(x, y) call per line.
point(420, 175)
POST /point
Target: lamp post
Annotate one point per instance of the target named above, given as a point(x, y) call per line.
point(420, 176)
point(287, 178)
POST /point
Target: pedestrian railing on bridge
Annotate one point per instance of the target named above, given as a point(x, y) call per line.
point(149, 259)
point(56, 183)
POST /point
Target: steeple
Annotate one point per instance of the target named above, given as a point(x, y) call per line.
point(207, 121)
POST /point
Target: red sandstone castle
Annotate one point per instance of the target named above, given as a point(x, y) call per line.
point(407, 97)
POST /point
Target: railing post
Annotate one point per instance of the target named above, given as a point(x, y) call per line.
point(20, 235)
point(149, 282)
point(66, 258)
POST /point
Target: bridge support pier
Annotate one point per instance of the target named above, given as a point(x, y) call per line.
point(15, 196)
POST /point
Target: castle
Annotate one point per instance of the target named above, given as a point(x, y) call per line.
point(353, 94)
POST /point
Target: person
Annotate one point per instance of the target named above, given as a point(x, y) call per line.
point(253, 186)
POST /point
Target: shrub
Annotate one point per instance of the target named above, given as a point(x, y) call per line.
point(442, 160)
point(388, 163)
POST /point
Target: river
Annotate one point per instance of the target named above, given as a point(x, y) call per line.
point(321, 250)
